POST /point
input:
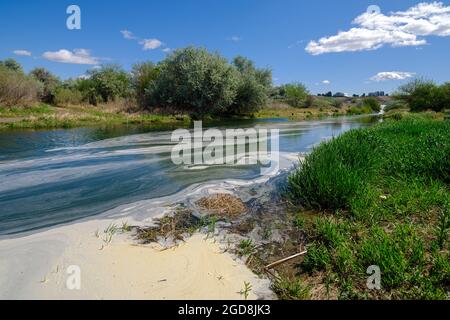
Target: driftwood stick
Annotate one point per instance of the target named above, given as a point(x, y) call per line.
point(278, 262)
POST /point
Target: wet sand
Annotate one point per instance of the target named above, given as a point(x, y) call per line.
point(36, 267)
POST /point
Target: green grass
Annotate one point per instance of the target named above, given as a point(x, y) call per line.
point(245, 247)
point(44, 116)
point(291, 289)
point(36, 110)
point(386, 193)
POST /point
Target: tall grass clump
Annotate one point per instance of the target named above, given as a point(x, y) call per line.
point(335, 172)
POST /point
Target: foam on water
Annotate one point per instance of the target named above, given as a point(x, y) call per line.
point(60, 180)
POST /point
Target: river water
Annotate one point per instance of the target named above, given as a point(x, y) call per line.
point(51, 177)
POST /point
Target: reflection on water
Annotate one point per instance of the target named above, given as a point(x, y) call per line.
point(56, 176)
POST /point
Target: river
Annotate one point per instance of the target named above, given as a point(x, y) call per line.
point(52, 177)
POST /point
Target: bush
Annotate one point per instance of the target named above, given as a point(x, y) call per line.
point(49, 83)
point(12, 65)
point(354, 110)
point(337, 103)
point(65, 96)
point(88, 91)
point(17, 89)
point(144, 76)
point(295, 94)
point(110, 82)
point(372, 103)
point(395, 105)
point(253, 87)
point(196, 81)
point(421, 95)
point(309, 101)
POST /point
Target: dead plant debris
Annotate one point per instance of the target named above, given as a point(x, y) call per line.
point(223, 205)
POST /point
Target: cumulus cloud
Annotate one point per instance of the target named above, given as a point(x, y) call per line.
point(24, 53)
point(326, 82)
point(392, 75)
point(150, 44)
point(128, 34)
point(374, 30)
point(77, 56)
point(166, 50)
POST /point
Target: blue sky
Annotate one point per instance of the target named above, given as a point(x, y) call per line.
point(283, 35)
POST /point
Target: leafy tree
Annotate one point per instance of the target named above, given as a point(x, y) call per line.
point(423, 95)
point(110, 82)
point(197, 81)
point(12, 64)
point(49, 82)
point(143, 77)
point(88, 91)
point(254, 86)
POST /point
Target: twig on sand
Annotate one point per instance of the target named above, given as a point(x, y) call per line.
point(278, 262)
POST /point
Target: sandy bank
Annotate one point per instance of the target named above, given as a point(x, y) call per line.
point(35, 267)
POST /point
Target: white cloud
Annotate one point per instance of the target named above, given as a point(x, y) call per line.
point(24, 53)
point(147, 44)
point(166, 50)
point(326, 81)
point(128, 34)
point(78, 56)
point(150, 44)
point(392, 75)
point(398, 29)
point(235, 38)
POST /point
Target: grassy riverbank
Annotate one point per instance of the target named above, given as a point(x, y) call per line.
point(383, 198)
point(42, 116)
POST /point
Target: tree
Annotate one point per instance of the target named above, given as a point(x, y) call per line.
point(88, 92)
point(12, 64)
point(254, 86)
point(423, 95)
point(110, 82)
point(195, 80)
point(296, 94)
point(49, 82)
point(143, 77)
